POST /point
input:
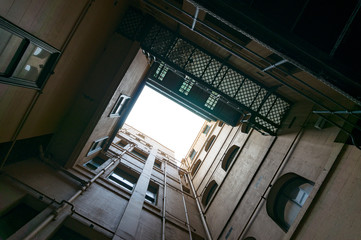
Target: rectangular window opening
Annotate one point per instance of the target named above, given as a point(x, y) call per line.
point(124, 177)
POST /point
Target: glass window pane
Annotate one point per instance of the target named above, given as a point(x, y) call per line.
point(31, 63)
point(291, 211)
point(9, 44)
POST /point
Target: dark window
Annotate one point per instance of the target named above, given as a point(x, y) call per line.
point(14, 219)
point(124, 177)
point(140, 153)
point(122, 143)
point(209, 143)
point(119, 106)
point(158, 164)
point(286, 199)
point(228, 158)
point(151, 194)
point(208, 193)
point(65, 233)
point(193, 154)
point(94, 163)
point(97, 146)
point(206, 129)
point(196, 166)
point(185, 189)
point(24, 60)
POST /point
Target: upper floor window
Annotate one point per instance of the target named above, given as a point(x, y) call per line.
point(158, 164)
point(94, 163)
point(212, 100)
point(151, 194)
point(206, 129)
point(228, 158)
point(24, 59)
point(209, 192)
point(122, 143)
point(286, 198)
point(187, 85)
point(119, 106)
point(97, 146)
point(124, 177)
point(193, 154)
point(195, 167)
point(140, 153)
point(209, 143)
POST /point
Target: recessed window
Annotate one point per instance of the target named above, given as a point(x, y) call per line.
point(119, 106)
point(187, 85)
point(286, 198)
point(94, 163)
point(193, 154)
point(122, 143)
point(97, 146)
point(124, 177)
point(209, 143)
point(158, 164)
point(228, 158)
point(140, 153)
point(206, 129)
point(151, 194)
point(24, 60)
point(212, 100)
point(209, 192)
point(185, 189)
point(195, 167)
point(67, 233)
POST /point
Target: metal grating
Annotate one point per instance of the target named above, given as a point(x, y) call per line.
point(132, 22)
point(236, 88)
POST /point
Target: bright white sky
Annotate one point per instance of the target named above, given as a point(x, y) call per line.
point(165, 121)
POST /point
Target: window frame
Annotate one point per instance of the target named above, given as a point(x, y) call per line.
point(121, 175)
point(209, 193)
point(196, 167)
point(27, 39)
point(210, 143)
point(276, 204)
point(119, 106)
point(97, 145)
point(229, 157)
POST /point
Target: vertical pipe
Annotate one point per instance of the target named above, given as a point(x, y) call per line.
point(199, 209)
point(77, 194)
point(164, 200)
point(185, 208)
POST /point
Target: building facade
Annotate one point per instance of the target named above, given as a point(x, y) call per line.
point(132, 191)
point(282, 77)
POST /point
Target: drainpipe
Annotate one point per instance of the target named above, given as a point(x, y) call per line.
point(185, 208)
point(77, 194)
point(164, 200)
point(199, 208)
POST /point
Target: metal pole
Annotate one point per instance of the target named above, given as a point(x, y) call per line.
point(199, 208)
point(185, 209)
point(77, 194)
point(164, 200)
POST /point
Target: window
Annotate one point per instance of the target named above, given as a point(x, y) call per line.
point(97, 146)
point(140, 153)
point(206, 129)
point(24, 60)
point(208, 193)
point(209, 143)
point(158, 164)
point(122, 143)
point(94, 163)
point(228, 158)
point(286, 199)
point(212, 100)
point(11, 220)
point(195, 167)
point(151, 194)
point(67, 233)
point(187, 85)
point(161, 72)
point(124, 177)
point(185, 189)
point(193, 153)
point(119, 106)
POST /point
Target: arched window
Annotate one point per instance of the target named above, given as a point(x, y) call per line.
point(208, 193)
point(209, 143)
point(286, 199)
point(228, 158)
point(195, 167)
